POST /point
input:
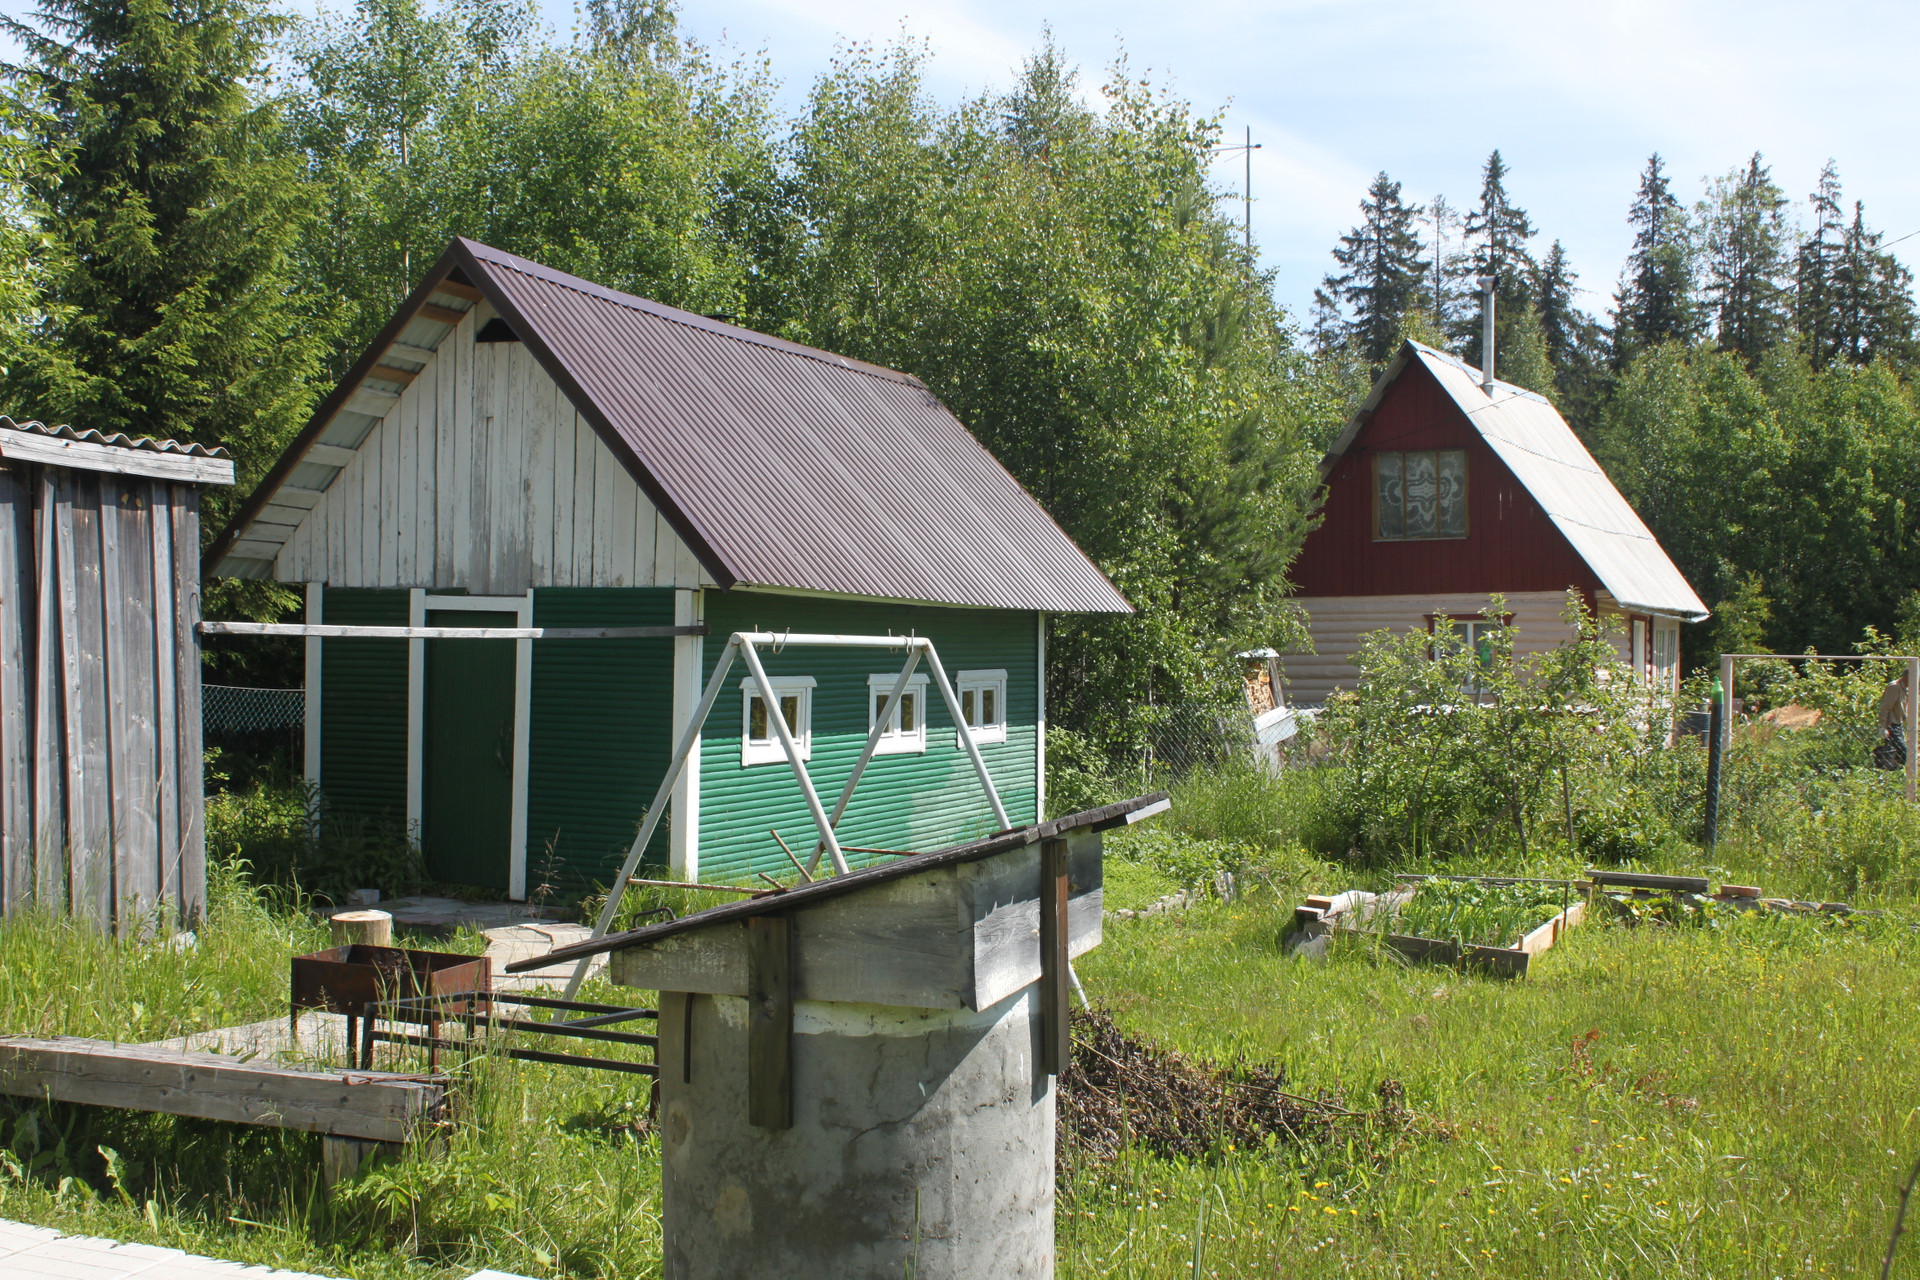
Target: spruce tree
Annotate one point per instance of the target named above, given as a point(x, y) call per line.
point(1570, 335)
point(175, 219)
point(1655, 302)
point(1875, 295)
point(1385, 276)
point(1497, 231)
point(1744, 219)
point(1817, 267)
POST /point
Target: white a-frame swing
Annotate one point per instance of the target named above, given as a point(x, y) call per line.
point(745, 645)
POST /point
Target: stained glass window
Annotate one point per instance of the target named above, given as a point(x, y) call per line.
point(1420, 494)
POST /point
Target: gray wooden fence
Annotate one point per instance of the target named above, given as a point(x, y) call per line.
point(100, 765)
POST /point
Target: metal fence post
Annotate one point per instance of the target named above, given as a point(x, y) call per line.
point(1717, 719)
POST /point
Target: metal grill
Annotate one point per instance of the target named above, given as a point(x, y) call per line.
point(228, 710)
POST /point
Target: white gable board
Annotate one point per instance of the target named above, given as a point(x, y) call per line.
point(480, 475)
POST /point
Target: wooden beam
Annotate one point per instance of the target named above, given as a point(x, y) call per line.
point(454, 288)
point(390, 373)
point(445, 315)
point(770, 1022)
point(342, 631)
point(370, 1105)
point(407, 351)
point(1056, 1045)
point(329, 455)
point(90, 455)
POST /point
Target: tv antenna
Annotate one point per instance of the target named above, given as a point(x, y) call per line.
point(1246, 149)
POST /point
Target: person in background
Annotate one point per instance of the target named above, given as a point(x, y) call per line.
point(1892, 751)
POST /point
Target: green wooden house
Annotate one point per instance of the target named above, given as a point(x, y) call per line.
point(519, 448)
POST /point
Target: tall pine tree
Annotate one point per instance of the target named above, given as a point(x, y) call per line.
point(1852, 300)
point(1656, 302)
point(1745, 226)
point(1385, 276)
point(1497, 231)
point(1571, 336)
point(175, 218)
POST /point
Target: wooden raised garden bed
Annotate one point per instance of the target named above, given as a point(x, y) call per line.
point(1357, 911)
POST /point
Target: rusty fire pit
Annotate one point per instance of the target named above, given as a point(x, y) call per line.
point(348, 979)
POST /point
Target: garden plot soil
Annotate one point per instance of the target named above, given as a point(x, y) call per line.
point(1123, 1091)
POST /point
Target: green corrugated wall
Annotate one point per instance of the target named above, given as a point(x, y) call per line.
point(600, 737)
point(363, 707)
point(916, 802)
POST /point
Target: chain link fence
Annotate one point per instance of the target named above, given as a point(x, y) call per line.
point(258, 724)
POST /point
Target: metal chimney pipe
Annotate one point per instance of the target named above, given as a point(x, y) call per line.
point(1486, 284)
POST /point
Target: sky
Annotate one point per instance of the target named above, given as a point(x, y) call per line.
point(1574, 95)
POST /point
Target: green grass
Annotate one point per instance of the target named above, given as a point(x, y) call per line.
point(1726, 1101)
point(1647, 1103)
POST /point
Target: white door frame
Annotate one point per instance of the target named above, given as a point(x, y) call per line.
point(418, 602)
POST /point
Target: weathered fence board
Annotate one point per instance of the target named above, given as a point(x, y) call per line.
point(100, 806)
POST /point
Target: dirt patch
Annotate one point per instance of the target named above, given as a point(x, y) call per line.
point(1125, 1091)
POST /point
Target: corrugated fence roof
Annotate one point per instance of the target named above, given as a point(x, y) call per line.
point(1535, 442)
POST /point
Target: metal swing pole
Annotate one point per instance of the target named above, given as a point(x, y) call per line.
point(873, 743)
point(966, 737)
point(661, 798)
point(778, 722)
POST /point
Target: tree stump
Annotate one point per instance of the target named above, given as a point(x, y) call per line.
point(369, 928)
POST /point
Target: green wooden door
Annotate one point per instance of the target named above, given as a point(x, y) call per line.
point(466, 801)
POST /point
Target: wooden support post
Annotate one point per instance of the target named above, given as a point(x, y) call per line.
point(770, 1022)
point(342, 1158)
point(1056, 1046)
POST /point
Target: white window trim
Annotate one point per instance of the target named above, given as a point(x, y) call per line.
point(770, 751)
point(976, 681)
point(893, 742)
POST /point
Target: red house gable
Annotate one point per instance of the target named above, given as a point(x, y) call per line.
point(1511, 544)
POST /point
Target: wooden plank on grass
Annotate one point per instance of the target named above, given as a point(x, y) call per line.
point(1634, 880)
point(370, 1105)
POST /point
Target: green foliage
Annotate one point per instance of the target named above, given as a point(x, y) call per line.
point(1474, 751)
point(1060, 278)
point(171, 306)
point(1474, 912)
point(269, 831)
point(1385, 277)
point(1778, 484)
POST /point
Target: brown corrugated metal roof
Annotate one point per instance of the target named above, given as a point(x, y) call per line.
point(780, 465)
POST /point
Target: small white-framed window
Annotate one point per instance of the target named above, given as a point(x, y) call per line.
point(983, 704)
point(906, 731)
point(759, 742)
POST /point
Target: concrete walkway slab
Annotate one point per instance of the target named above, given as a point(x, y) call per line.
point(41, 1253)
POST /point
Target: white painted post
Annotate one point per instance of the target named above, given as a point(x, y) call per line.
point(778, 723)
point(866, 754)
point(1726, 702)
point(688, 652)
point(316, 597)
point(661, 798)
point(1913, 726)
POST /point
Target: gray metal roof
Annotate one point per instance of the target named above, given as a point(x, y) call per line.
point(781, 466)
point(118, 441)
point(1528, 434)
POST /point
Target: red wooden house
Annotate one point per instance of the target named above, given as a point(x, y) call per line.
point(1444, 490)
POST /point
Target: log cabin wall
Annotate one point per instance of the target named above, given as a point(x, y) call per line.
point(100, 754)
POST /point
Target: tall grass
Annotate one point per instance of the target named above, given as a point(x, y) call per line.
point(1648, 1103)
